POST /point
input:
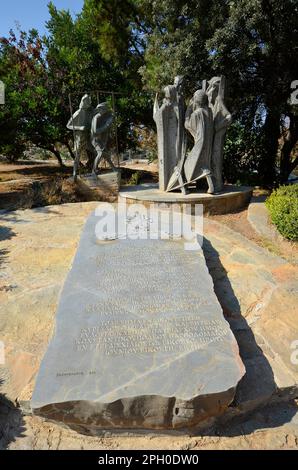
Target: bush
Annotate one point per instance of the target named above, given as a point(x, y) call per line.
point(283, 209)
point(242, 156)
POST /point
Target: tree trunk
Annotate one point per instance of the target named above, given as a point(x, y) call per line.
point(57, 154)
point(290, 141)
point(271, 134)
point(70, 150)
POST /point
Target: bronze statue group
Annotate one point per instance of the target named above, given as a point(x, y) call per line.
point(91, 128)
point(206, 120)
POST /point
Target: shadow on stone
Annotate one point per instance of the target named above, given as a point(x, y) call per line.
point(257, 388)
point(6, 233)
point(259, 198)
point(12, 424)
point(269, 417)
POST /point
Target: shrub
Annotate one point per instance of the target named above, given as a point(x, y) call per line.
point(283, 209)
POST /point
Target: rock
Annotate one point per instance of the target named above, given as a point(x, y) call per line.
point(140, 340)
point(27, 193)
point(258, 217)
point(37, 248)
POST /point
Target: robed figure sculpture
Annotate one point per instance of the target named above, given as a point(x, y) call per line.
point(80, 124)
point(206, 120)
point(222, 119)
point(166, 117)
point(197, 163)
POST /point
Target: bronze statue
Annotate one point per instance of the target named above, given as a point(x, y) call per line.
point(206, 119)
point(100, 129)
point(80, 124)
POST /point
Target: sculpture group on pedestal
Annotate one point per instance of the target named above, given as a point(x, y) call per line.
point(91, 129)
point(206, 119)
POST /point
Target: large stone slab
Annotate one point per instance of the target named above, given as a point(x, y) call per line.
point(140, 340)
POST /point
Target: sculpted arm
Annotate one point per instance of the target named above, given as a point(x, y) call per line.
point(96, 128)
point(72, 123)
point(225, 117)
point(188, 114)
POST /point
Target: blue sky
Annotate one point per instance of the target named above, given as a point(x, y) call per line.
point(31, 13)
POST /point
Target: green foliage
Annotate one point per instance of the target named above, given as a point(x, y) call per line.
point(251, 42)
point(33, 110)
point(283, 209)
point(242, 155)
point(109, 24)
point(77, 56)
point(134, 179)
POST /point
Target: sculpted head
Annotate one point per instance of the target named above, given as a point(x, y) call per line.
point(85, 102)
point(170, 93)
point(213, 88)
point(200, 99)
point(178, 81)
point(103, 107)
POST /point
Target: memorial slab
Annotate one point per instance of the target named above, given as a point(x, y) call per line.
point(140, 340)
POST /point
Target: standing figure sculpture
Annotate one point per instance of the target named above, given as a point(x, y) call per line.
point(80, 124)
point(100, 129)
point(166, 117)
point(181, 142)
point(197, 164)
point(206, 119)
point(222, 119)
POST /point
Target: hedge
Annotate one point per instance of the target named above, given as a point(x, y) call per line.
point(283, 209)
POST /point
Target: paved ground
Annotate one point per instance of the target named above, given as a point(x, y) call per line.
point(242, 222)
point(258, 217)
point(258, 293)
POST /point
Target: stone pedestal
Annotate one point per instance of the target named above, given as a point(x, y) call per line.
point(102, 187)
point(230, 199)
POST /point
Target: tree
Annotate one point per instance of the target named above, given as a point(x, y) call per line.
point(101, 50)
point(257, 45)
point(77, 56)
point(252, 42)
point(31, 104)
point(116, 31)
point(135, 47)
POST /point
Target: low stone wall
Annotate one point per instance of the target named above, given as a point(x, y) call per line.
point(44, 191)
point(28, 193)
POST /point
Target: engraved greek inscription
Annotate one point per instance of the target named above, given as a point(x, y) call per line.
point(148, 336)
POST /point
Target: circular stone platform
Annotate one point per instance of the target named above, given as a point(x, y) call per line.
point(228, 200)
